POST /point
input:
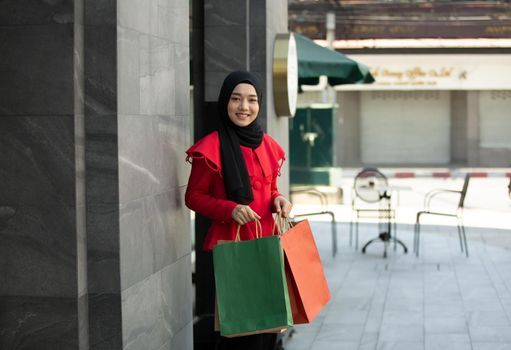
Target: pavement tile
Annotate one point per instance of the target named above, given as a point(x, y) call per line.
point(340, 332)
point(402, 334)
point(404, 306)
point(348, 317)
point(490, 334)
point(436, 325)
point(373, 324)
point(493, 305)
point(440, 300)
point(447, 342)
point(441, 296)
point(400, 345)
point(488, 318)
point(344, 303)
point(444, 310)
point(506, 304)
point(369, 341)
point(337, 345)
point(491, 346)
point(402, 318)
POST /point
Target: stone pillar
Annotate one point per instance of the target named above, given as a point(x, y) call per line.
point(41, 208)
point(102, 174)
point(231, 35)
point(137, 121)
point(459, 134)
point(94, 236)
point(473, 128)
point(277, 127)
point(348, 129)
point(153, 133)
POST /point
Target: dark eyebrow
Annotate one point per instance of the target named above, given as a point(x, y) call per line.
point(238, 94)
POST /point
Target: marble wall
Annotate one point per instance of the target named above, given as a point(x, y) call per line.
point(153, 123)
point(231, 35)
point(239, 35)
point(94, 120)
point(38, 170)
point(81, 209)
point(275, 14)
point(102, 175)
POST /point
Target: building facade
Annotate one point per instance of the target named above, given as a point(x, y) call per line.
point(442, 87)
point(430, 110)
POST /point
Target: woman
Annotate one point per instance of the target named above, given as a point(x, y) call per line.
point(234, 174)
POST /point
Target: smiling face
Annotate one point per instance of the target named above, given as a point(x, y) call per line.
point(243, 105)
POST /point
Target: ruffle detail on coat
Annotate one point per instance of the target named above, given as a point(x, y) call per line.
point(270, 154)
point(210, 164)
point(207, 148)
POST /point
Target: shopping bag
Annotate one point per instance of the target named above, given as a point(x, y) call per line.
point(217, 325)
point(251, 288)
point(307, 285)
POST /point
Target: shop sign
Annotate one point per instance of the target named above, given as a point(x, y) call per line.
point(436, 72)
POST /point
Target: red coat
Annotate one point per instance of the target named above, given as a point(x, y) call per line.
point(205, 193)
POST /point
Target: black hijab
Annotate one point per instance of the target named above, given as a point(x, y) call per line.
point(236, 179)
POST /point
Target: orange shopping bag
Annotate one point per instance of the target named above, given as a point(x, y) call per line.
point(307, 285)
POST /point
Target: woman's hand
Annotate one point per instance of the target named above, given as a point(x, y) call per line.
point(282, 206)
point(243, 214)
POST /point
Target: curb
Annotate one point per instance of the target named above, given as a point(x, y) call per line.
point(446, 174)
point(434, 173)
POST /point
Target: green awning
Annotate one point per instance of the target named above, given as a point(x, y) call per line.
point(315, 60)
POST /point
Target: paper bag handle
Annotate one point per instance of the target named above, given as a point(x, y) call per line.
point(283, 225)
point(259, 231)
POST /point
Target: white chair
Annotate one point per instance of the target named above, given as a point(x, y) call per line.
point(458, 214)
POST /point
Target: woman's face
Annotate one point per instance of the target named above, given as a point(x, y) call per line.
point(243, 105)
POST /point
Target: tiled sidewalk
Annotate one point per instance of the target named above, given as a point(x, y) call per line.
point(441, 300)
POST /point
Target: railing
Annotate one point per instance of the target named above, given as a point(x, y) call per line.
point(324, 202)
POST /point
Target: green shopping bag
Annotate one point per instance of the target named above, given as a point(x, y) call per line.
point(251, 289)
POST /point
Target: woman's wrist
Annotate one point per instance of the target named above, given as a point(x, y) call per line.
point(243, 214)
point(282, 206)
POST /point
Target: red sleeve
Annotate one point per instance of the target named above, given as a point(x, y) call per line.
point(198, 197)
point(271, 156)
point(274, 190)
point(274, 193)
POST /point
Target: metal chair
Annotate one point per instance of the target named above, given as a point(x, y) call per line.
point(458, 214)
point(368, 201)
